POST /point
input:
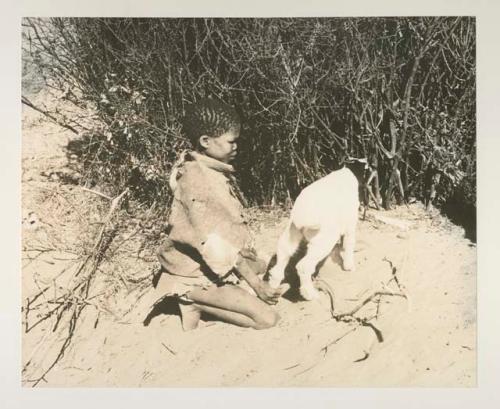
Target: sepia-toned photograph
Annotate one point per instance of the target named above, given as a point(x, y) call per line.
point(249, 202)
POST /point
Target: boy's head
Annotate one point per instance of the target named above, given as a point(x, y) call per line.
point(213, 128)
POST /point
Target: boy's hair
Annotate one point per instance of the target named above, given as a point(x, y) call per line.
point(209, 117)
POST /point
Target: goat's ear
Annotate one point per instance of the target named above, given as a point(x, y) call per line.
point(347, 159)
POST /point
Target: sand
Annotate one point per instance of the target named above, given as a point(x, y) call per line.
point(429, 338)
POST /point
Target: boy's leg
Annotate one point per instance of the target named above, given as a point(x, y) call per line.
point(234, 305)
point(190, 316)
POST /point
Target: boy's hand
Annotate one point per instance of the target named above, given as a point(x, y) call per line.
point(269, 294)
point(250, 267)
point(248, 260)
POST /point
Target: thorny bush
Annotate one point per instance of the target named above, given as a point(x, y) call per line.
point(400, 91)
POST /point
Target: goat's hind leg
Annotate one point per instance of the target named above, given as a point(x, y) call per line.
point(288, 244)
point(347, 252)
point(319, 247)
point(348, 244)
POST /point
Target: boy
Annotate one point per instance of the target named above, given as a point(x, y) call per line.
point(208, 249)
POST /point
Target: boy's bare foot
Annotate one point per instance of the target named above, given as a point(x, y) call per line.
point(190, 316)
point(146, 303)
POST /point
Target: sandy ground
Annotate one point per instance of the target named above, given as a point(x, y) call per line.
point(429, 339)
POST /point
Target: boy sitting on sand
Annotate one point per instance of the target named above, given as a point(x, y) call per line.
point(208, 249)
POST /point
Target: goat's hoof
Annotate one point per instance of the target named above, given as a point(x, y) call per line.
point(309, 294)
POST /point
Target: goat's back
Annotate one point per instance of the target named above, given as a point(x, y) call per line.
point(332, 199)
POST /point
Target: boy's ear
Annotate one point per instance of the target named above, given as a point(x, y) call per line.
point(204, 141)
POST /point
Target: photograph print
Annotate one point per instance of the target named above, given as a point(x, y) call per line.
point(249, 202)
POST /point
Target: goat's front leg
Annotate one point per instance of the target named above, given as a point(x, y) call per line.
point(347, 252)
point(287, 245)
point(319, 247)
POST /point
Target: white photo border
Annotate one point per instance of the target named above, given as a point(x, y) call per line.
point(486, 394)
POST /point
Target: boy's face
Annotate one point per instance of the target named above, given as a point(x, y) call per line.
point(222, 148)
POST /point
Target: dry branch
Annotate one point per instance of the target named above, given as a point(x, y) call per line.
point(349, 317)
point(379, 294)
point(71, 304)
point(57, 121)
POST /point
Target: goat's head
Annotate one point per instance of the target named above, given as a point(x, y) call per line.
point(359, 166)
point(362, 170)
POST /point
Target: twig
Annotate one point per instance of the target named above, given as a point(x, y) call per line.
point(97, 193)
point(324, 351)
point(367, 353)
point(169, 349)
point(27, 102)
point(372, 196)
point(364, 358)
point(77, 298)
point(339, 317)
point(366, 323)
point(393, 272)
point(62, 350)
point(325, 348)
point(322, 285)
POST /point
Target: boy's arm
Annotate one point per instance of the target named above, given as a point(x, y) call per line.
point(218, 235)
point(250, 267)
point(221, 256)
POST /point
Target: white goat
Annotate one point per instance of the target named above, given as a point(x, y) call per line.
point(323, 212)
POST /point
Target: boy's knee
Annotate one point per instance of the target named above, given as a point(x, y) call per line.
point(267, 320)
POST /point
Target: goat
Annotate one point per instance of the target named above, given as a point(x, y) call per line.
point(323, 212)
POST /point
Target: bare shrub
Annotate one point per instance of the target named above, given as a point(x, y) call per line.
point(310, 91)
